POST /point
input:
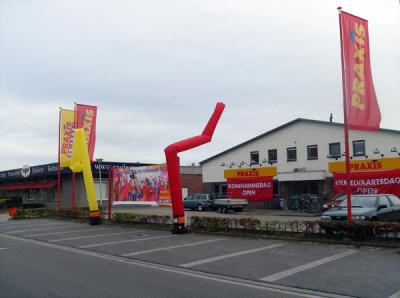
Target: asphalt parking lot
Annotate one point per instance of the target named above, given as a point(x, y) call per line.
point(317, 269)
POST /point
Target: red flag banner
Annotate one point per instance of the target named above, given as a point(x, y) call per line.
point(254, 189)
point(362, 106)
point(85, 117)
point(369, 182)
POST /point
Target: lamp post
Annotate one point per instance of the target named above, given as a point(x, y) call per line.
point(99, 160)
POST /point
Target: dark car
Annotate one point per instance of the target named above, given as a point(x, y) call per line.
point(198, 201)
point(334, 202)
point(367, 207)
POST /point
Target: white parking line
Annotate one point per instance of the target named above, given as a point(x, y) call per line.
point(395, 295)
point(25, 226)
point(124, 241)
point(91, 236)
point(281, 289)
point(231, 255)
point(41, 229)
point(22, 222)
point(66, 232)
point(171, 247)
point(286, 273)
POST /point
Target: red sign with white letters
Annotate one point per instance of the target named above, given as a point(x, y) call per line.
point(253, 189)
point(369, 182)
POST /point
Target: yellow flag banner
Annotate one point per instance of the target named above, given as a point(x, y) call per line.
point(67, 120)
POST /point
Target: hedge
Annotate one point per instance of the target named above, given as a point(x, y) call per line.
point(29, 213)
point(130, 218)
point(76, 213)
point(357, 230)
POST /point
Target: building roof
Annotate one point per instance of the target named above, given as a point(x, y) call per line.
point(295, 121)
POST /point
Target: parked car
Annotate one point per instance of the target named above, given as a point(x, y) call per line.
point(223, 205)
point(334, 202)
point(198, 201)
point(384, 207)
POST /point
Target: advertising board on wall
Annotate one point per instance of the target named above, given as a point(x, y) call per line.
point(253, 184)
point(377, 182)
point(140, 185)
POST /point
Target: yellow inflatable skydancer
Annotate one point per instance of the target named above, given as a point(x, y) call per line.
point(80, 163)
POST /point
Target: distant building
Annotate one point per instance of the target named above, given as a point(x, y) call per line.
point(38, 184)
point(301, 151)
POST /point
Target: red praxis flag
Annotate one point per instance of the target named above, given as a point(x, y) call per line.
point(378, 182)
point(254, 189)
point(85, 118)
point(362, 106)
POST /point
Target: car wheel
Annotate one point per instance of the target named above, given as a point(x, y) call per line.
point(200, 207)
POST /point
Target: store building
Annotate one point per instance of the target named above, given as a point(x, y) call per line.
point(38, 184)
point(300, 152)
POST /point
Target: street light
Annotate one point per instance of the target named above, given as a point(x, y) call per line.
point(99, 161)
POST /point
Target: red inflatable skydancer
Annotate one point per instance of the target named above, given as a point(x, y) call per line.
point(171, 154)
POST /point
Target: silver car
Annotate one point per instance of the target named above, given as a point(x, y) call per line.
point(384, 207)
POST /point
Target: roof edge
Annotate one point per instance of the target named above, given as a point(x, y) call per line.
point(281, 127)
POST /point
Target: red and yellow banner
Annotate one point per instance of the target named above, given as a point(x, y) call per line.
point(369, 182)
point(66, 134)
point(85, 117)
point(250, 172)
point(252, 189)
point(366, 165)
point(140, 185)
point(362, 106)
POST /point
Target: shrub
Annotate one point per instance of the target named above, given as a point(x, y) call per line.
point(131, 218)
point(75, 213)
point(30, 213)
point(358, 231)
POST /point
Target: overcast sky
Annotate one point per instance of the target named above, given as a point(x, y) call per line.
point(156, 69)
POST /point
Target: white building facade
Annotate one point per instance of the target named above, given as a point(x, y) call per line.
point(301, 151)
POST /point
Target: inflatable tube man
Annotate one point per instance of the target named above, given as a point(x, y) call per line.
point(171, 154)
point(80, 163)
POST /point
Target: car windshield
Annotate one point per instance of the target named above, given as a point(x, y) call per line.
point(361, 201)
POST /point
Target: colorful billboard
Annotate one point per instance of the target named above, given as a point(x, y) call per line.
point(140, 185)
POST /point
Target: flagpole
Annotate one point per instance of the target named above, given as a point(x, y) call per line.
point(73, 173)
point(346, 125)
point(58, 163)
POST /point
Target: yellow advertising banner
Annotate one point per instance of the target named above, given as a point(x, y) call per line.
point(366, 165)
point(250, 172)
point(67, 120)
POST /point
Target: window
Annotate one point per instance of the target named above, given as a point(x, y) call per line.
point(395, 200)
point(334, 150)
point(272, 156)
point(384, 201)
point(254, 158)
point(291, 154)
point(312, 152)
point(358, 148)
